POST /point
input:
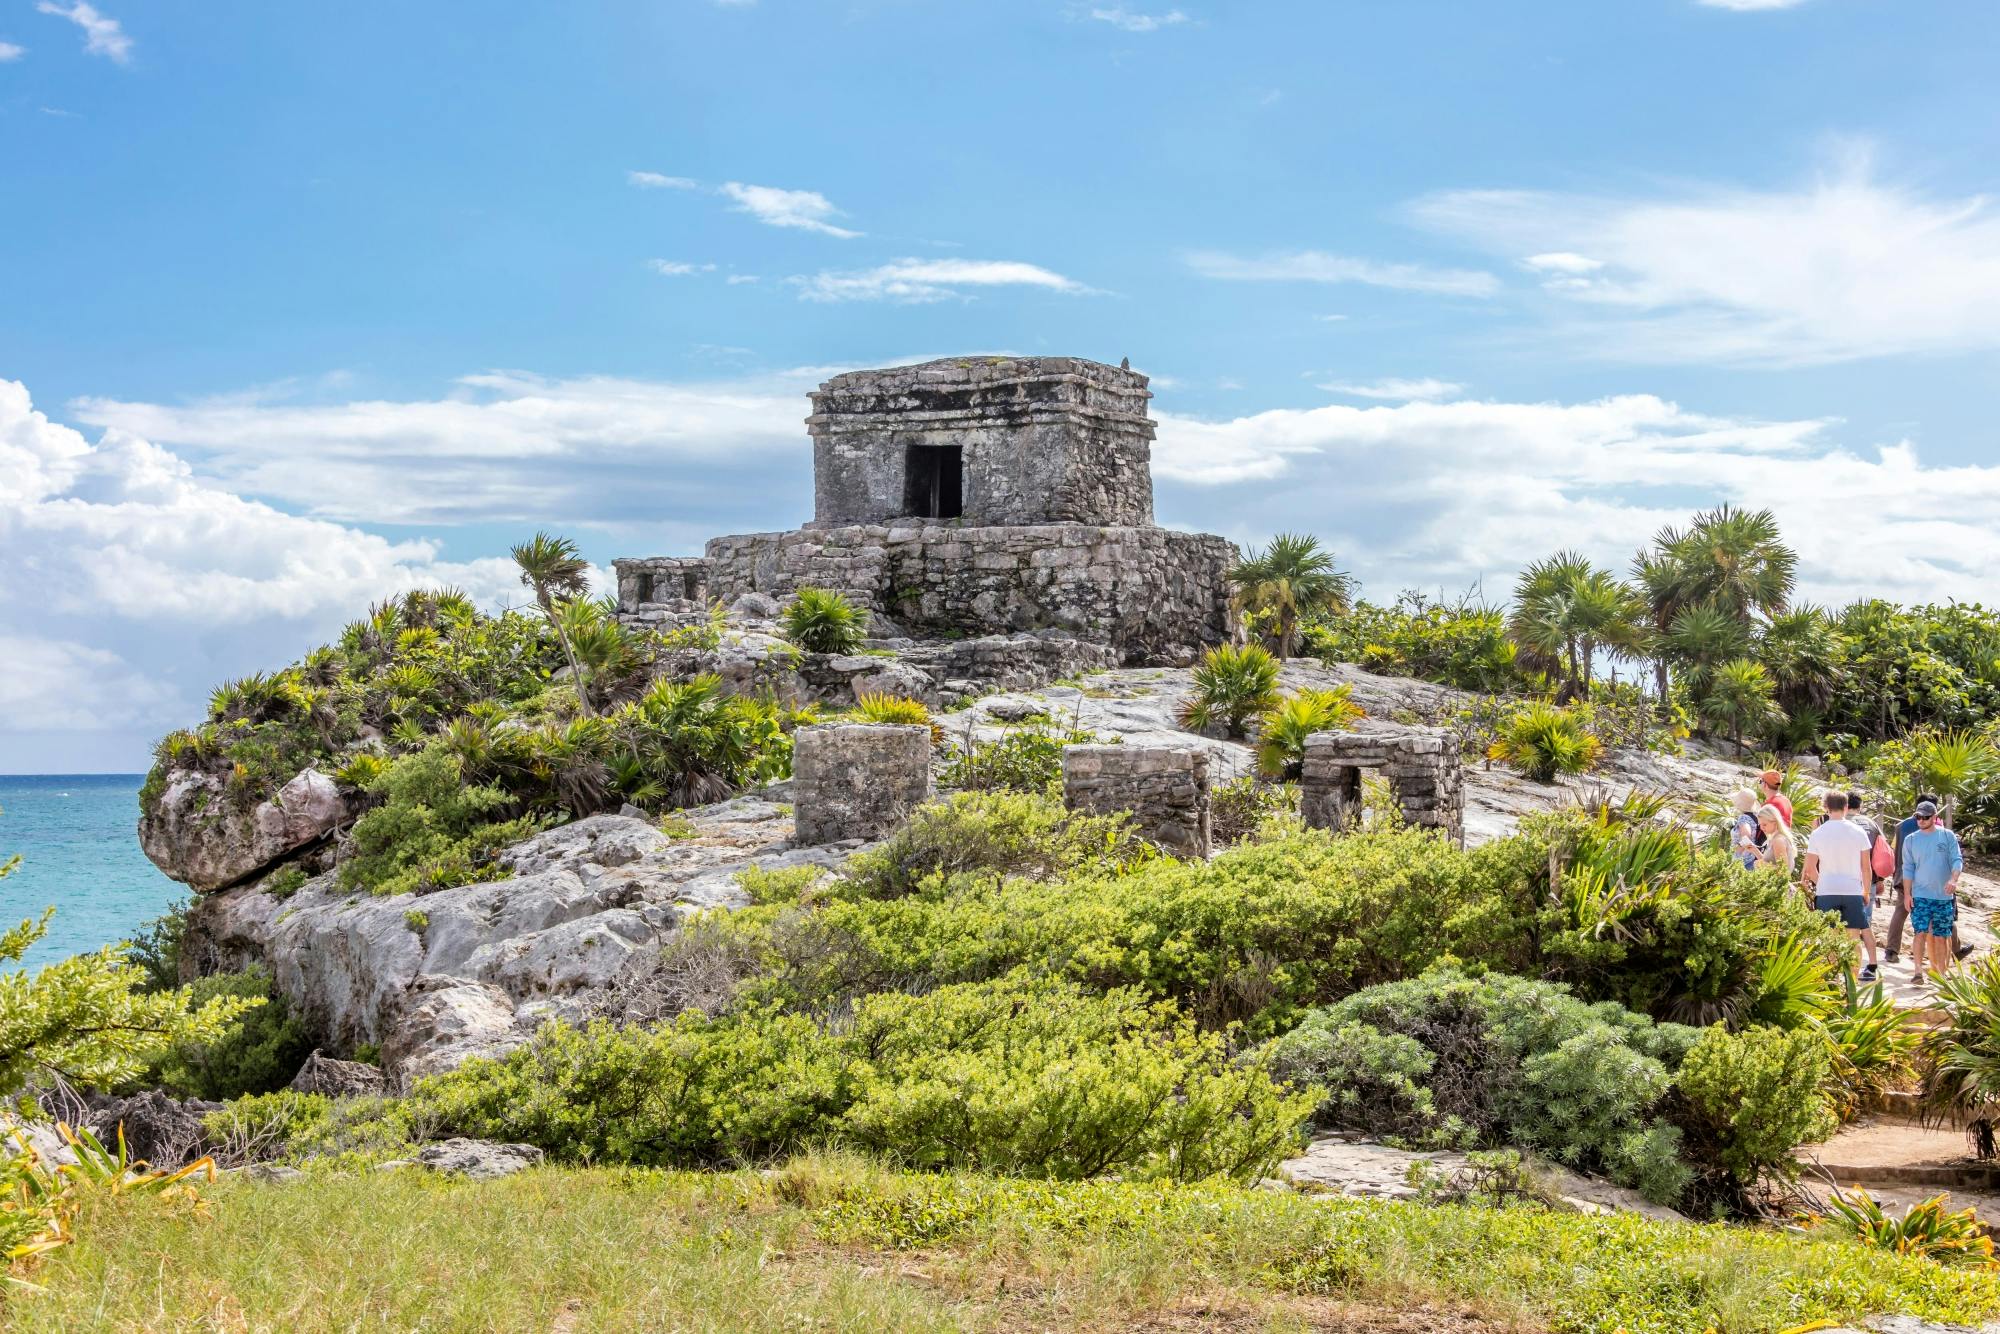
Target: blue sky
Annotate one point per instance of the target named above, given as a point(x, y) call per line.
point(298, 305)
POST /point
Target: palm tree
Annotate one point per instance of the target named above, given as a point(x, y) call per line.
point(1700, 640)
point(553, 568)
point(1804, 655)
point(1565, 610)
point(1732, 560)
point(1287, 581)
point(1740, 699)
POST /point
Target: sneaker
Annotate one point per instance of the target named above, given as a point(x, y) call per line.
point(1891, 956)
point(1960, 951)
point(1868, 973)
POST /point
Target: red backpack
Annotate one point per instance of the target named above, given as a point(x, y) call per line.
point(1885, 859)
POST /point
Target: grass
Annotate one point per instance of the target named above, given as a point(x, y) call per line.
point(834, 1243)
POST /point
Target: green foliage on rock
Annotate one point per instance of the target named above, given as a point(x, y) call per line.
point(1545, 741)
point(1025, 757)
point(432, 829)
point(819, 620)
point(1281, 741)
point(259, 1054)
point(1231, 686)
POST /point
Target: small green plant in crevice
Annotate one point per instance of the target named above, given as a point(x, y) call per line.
point(417, 920)
point(1231, 686)
point(1545, 741)
point(819, 620)
point(872, 706)
point(286, 881)
point(1025, 757)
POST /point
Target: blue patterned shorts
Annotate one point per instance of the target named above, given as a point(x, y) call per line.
point(1933, 917)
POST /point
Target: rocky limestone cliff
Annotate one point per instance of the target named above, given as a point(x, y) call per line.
point(196, 835)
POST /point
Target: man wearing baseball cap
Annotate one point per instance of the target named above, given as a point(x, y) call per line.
point(1770, 779)
point(1839, 870)
point(1931, 865)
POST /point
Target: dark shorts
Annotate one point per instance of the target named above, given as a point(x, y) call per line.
point(1853, 909)
point(1934, 917)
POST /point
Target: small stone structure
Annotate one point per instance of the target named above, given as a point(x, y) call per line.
point(1421, 764)
point(976, 496)
point(1164, 787)
point(857, 780)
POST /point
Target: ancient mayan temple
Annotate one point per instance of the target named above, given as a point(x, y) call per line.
point(977, 496)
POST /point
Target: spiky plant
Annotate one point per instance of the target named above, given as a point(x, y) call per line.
point(1740, 698)
point(1544, 741)
point(1959, 1061)
point(1957, 1240)
point(820, 620)
point(1281, 747)
point(1231, 686)
point(557, 572)
point(1288, 581)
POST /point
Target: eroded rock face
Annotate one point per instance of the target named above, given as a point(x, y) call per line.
point(332, 1078)
point(478, 1159)
point(194, 834)
point(434, 979)
point(163, 1132)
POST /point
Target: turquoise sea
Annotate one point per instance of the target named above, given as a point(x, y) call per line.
point(78, 839)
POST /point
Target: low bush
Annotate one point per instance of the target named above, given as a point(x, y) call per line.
point(1026, 757)
point(1016, 1075)
point(1244, 807)
point(260, 1053)
point(993, 835)
point(431, 829)
point(821, 621)
point(1449, 1061)
point(1231, 686)
point(1545, 741)
point(1754, 1096)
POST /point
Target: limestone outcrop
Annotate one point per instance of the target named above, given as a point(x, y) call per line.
point(195, 834)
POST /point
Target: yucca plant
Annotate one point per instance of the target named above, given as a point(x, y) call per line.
point(1794, 985)
point(1740, 698)
point(820, 620)
point(1231, 686)
point(1544, 741)
point(1874, 1045)
point(1959, 1061)
point(569, 762)
point(1281, 747)
point(1955, 1239)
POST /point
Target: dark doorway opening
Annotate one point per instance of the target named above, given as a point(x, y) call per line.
point(688, 585)
point(642, 587)
point(934, 481)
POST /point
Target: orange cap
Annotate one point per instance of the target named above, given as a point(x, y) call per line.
point(1773, 777)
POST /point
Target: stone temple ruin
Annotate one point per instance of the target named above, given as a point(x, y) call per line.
point(976, 496)
point(1421, 764)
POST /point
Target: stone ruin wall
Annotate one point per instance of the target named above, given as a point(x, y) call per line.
point(1164, 788)
point(857, 780)
point(1043, 440)
point(658, 590)
point(1153, 594)
point(1422, 765)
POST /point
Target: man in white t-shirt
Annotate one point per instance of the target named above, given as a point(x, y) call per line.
point(1839, 870)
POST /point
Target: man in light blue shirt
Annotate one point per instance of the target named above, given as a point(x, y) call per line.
point(1931, 864)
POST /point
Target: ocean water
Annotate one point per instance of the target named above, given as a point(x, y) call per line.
point(78, 839)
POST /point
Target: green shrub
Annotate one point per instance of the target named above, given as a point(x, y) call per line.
point(1015, 1075)
point(1960, 1059)
point(1231, 686)
point(156, 947)
point(1281, 746)
point(1245, 807)
point(1754, 1096)
point(286, 881)
point(258, 1054)
point(993, 835)
point(1026, 757)
point(1544, 741)
point(820, 621)
point(872, 706)
point(1460, 644)
point(431, 830)
point(286, 1126)
point(1445, 1060)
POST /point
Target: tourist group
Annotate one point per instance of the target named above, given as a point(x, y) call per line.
point(1850, 862)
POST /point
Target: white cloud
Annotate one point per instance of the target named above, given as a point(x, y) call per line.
point(1132, 20)
point(101, 34)
point(62, 685)
point(1441, 494)
point(11, 51)
point(806, 209)
point(676, 268)
point(652, 180)
point(925, 280)
point(1400, 390)
point(738, 279)
point(1748, 6)
point(1314, 266)
point(1843, 267)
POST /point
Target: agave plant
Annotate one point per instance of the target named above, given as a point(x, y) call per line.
point(1794, 985)
point(822, 621)
point(1231, 686)
point(1281, 747)
point(1959, 1061)
point(1544, 740)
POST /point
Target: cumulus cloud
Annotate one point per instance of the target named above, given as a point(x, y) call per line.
point(11, 51)
point(60, 684)
point(677, 268)
point(1443, 494)
point(1132, 20)
point(1315, 266)
point(1842, 267)
point(808, 210)
point(925, 280)
point(1425, 389)
point(102, 36)
point(653, 180)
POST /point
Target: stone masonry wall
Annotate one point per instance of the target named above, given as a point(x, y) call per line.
point(1042, 440)
point(1164, 787)
point(1153, 594)
point(1421, 763)
point(857, 780)
point(654, 589)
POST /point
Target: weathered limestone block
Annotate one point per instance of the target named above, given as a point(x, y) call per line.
point(988, 440)
point(671, 584)
point(198, 837)
point(1165, 788)
point(1423, 769)
point(857, 780)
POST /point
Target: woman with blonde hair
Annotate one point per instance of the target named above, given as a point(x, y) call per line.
point(1779, 849)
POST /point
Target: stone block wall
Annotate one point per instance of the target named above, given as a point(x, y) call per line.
point(1040, 440)
point(857, 780)
point(1154, 594)
point(659, 589)
point(1164, 787)
point(1421, 763)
